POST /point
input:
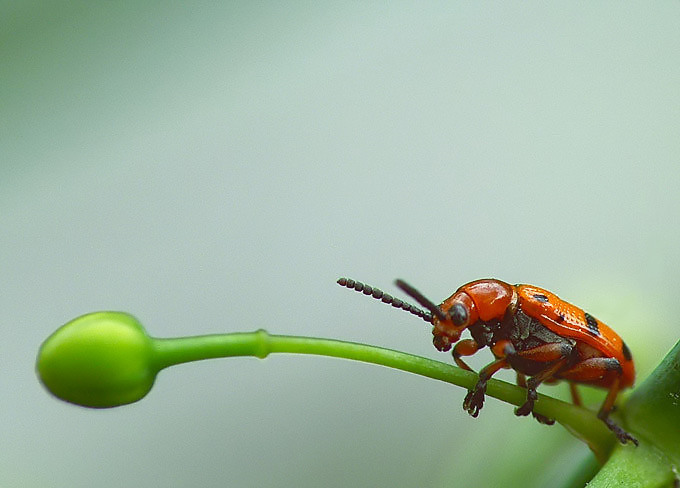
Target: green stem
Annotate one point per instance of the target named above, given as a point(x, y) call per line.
point(653, 410)
point(580, 422)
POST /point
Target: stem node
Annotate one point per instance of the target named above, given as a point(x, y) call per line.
point(262, 347)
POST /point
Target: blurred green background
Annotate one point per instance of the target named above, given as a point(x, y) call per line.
point(217, 166)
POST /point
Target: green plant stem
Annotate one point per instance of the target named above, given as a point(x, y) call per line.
point(653, 409)
point(106, 359)
point(578, 421)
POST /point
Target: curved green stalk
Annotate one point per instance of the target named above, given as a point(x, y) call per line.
point(580, 422)
point(106, 359)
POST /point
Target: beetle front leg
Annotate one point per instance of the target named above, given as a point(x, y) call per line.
point(466, 347)
point(474, 400)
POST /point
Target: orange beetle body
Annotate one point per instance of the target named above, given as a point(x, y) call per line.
point(488, 300)
point(530, 330)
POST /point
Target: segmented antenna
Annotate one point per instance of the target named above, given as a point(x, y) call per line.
point(421, 299)
point(385, 298)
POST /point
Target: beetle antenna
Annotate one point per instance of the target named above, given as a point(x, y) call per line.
point(421, 299)
point(385, 298)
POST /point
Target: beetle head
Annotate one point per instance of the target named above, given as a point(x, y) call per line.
point(450, 318)
point(457, 314)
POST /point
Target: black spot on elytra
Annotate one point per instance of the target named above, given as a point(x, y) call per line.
point(540, 297)
point(626, 352)
point(592, 324)
point(612, 364)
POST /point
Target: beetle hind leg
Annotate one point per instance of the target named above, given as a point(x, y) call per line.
point(596, 368)
point(605, 410)
point(622, 435)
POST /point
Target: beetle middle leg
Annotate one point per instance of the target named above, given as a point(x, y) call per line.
point(532, 394)
point(522, 381)
point(555, 355)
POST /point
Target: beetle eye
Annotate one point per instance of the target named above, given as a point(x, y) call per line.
point(458, 314)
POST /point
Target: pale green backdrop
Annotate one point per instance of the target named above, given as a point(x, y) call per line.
point(216, 166)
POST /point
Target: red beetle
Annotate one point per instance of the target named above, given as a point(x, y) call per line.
point(529, 330)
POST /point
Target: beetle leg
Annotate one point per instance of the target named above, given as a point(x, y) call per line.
point(575, 395)
point(466, 347)
point(522, 381)
point(474, 400)
point(593, 369)
point(555, 355)
point(606, 408)
point(542, 419)
point(532, 395)
point(546, 353)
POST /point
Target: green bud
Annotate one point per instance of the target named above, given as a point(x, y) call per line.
point(102, 359)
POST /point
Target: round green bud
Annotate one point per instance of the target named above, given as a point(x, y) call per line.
point(102, 359)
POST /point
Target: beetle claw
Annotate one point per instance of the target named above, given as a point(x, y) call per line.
point(524, 409)
point(620, 434)
point(528, 406)
point(474, 400)
point(543, 419)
